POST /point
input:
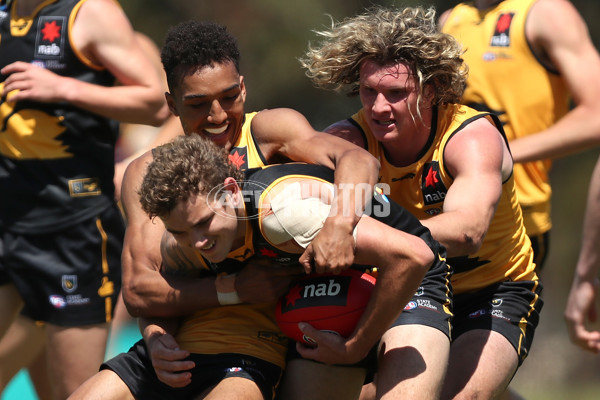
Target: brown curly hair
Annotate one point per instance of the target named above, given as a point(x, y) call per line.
point(388, 36)
point(186, 166)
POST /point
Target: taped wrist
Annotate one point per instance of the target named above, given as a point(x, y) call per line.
point(226, 293)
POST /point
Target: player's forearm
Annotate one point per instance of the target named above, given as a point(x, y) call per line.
point(588, 266)
point(151, 295)
point(133, 104)
point(356, 173)
point(577, 131)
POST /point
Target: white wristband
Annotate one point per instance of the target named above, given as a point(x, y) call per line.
point(226, 293)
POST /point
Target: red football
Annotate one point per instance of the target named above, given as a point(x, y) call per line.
point(331, 303)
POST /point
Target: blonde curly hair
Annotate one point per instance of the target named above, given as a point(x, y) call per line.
point(388, 36)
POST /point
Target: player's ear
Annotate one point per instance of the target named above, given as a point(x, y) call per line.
point(171, 103)
point(230, 185)
point(428, 94)
point(243, 88)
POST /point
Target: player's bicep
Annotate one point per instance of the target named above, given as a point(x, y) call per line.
point(475, 158)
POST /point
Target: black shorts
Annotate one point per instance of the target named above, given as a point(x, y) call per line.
point(432, 304)
point(509, 308)
point(71, 277)
point(136, 371)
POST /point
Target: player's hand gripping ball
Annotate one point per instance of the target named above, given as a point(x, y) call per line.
point(330, 303)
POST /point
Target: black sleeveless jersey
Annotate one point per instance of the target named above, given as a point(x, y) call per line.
point(56, 160)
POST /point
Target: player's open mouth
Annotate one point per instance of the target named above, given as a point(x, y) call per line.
point(208, 246)
point(217, 131)
point(386, 122)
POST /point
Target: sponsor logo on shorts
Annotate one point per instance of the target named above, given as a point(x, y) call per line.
point(234, 369)
point(420, 291)
point(420, 303)
point(496, 302)
point(84, 187)
point(499, 314)
point(478, 313)
point(57, 301)
point(69, 283)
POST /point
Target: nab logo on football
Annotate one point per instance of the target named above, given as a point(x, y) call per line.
point(321, 291)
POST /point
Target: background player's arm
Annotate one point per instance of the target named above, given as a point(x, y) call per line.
point(103, 34)
point(286, 133)
point(581, 304)
point(558, 34)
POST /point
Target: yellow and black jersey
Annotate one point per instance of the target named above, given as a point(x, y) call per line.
point(422, 186)
point(56, 160)
point(245, 153)
point(507, 79)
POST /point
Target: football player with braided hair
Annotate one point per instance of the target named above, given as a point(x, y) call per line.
point(450, 166)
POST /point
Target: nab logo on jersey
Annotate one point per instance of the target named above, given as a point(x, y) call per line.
point(501, 36)
point(432, 186)
point(49, 41)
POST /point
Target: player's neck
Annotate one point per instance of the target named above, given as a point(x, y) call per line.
point(483, 4)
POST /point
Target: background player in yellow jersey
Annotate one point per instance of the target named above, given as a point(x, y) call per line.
point(581, 309)
point(207, 93)
point(240, 221)
point(451, 167)
point(23, 344)
point(527, 60)
point(59, 61)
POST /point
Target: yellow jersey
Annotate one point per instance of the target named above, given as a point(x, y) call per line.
point(507, 79)
point(421, 187)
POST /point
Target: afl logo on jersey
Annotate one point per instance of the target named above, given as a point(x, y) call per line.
point(49, 41)
point(501, 36)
